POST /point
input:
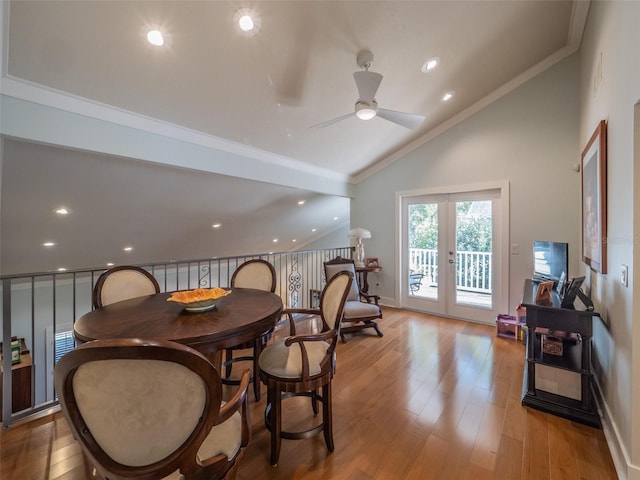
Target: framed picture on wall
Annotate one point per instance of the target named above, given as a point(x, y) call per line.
point(594, 200)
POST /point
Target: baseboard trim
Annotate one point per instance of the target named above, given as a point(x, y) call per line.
point(624, 468)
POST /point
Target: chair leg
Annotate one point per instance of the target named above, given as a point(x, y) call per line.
point(228, 358)
point(377, 329)
point(257, 350)
point(314, 403)
point(276, 423)
point(327, 416)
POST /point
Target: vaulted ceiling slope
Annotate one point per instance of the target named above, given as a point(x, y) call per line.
point(162, 213)
point(153, 146)
point(265, 90)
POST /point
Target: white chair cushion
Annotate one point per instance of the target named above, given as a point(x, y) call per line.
point(332, 270)
point(225, 438)
point(125, 284)
point(254, 275)
point(139, 411)
point(286, 362)
point(357, 309)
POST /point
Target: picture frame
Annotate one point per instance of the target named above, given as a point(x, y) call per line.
point(371, 262)
point(594, 200)
point(543, 294)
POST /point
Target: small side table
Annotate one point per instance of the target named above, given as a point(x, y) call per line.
point(363, 273)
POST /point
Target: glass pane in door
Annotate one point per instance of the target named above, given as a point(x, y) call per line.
point(423, 250)
point(474, 250)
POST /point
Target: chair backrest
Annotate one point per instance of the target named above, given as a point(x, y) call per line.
point(122, 283)
point(255, 273)
point(333, 297)
point(140, 409)
point(339, 264)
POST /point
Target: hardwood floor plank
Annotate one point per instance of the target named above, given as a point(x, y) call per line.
point(434, 399)
point(535, 462)
point(562, 461)
point(487, 442)
point(592, 462)
point(509, 459)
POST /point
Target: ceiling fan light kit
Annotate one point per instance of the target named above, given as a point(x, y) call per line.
point(366, 107)
point(365, 111)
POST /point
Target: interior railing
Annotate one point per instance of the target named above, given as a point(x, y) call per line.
point(39, 309)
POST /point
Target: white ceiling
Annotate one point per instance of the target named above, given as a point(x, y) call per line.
point(261, 92)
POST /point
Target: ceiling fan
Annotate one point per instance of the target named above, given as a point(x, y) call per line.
point(366, 107)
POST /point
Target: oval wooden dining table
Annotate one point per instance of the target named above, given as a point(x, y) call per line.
point(243, 315)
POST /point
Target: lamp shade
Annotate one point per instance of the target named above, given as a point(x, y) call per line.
point(359, 233)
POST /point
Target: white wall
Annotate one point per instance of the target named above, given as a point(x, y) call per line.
point(611, 40)
point(528, 138)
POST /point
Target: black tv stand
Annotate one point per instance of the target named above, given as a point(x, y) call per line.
point(576, 356)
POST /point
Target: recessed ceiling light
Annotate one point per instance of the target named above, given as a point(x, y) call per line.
point(62, 211)
point(313, 229)
point(294, 240)
point(301, 202)
point(155, 38)
point(216, 225)
point(430, 64)
point(110, 264)
point(448, 96)
point(49, 244)
point(335, 218)
point(247, 21)
point(127, 249)
point(275, 240)
point(62, 269)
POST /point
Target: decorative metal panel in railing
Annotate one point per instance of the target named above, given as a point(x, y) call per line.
point(473, 269)
point(41, 308)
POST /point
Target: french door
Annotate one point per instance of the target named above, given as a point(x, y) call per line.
point(452, 254)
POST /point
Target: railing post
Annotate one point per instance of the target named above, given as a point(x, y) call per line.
point(7, 402)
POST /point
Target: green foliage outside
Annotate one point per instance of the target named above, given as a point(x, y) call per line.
point(474, 226)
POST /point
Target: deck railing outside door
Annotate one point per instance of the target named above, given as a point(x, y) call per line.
point(473, 269)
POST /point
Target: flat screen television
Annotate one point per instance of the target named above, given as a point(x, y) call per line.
point(550, 260)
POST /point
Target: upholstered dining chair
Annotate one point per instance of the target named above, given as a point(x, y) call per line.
point(122, 283)
point(152, 410)
point(361, 309)
point(301, 364)
point(261, 275)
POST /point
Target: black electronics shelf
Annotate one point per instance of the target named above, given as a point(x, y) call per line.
point(573, 329)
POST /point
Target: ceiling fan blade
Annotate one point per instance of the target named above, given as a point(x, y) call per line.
point(367, 83)
point(332, 121)
point(408, 120)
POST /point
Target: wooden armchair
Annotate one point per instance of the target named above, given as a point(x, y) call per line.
point(302, 364)
point(360, 309)
point(261, 275)
point(122, 283)
point(152, 410)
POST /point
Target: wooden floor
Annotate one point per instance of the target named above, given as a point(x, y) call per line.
point(433, 399)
